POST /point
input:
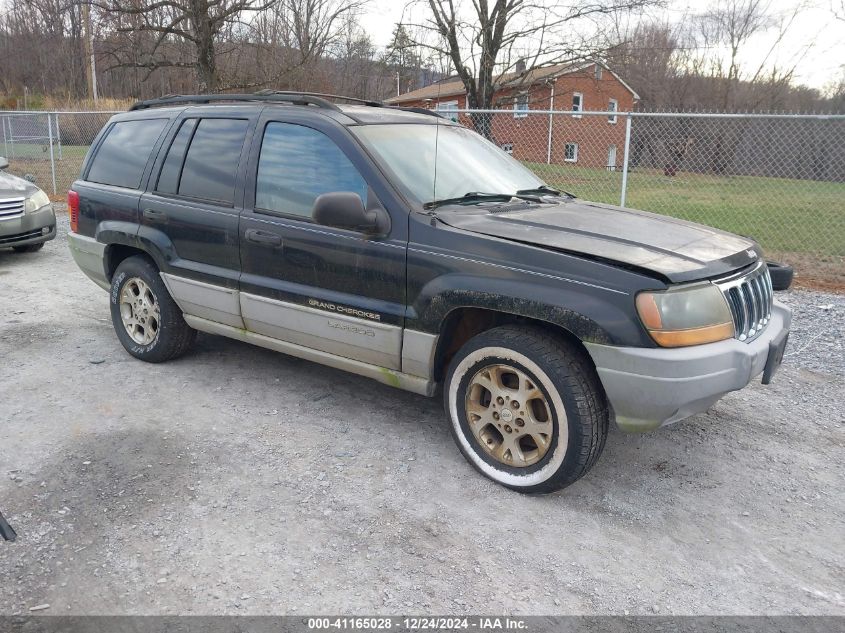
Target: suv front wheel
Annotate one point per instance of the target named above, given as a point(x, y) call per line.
point(147, 321)
point(526, 407)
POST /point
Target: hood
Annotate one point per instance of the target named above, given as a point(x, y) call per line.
point(14, 187)
point(673, 249)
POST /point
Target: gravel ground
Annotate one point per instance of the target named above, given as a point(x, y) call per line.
point(237, 480)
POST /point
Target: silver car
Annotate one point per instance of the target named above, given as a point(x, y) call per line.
point(27, 219)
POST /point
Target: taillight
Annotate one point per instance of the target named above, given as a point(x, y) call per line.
point(73, 210)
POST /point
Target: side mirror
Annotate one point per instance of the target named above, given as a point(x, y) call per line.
point(3, 163)
point(345, 210)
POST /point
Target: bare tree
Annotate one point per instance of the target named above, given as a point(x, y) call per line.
point(486, 40)
point(196, 22)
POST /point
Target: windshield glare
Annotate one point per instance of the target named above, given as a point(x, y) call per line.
point(436, 162)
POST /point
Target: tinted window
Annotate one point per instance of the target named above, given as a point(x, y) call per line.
point(168, 180)
point(123, 154)
point(296, 165)
point(211, 164)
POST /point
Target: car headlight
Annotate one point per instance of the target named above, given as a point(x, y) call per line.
point(36, 201)
point(690, 315)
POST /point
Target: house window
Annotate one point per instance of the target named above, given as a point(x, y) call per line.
point(612, 106)
point(598, 71)
point(520, 106)
point(577, 103)
point(570, 153)
point(448, 108)
point(507, 148)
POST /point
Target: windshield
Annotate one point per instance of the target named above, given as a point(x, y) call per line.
point(436, 162)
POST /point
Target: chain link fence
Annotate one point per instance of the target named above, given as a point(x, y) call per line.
point(777, 178)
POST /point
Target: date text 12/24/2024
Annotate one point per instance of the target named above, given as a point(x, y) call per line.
point(417, 623)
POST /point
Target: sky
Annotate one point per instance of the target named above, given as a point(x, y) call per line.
point(815, 39)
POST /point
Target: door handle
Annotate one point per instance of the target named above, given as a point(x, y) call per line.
point(263, 237)
point(155, 215)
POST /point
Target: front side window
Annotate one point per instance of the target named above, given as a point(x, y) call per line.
point(296, 165)
point(123, 154)
point(211, 164)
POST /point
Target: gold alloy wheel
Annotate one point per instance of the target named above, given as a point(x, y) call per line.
point(139, 311)
point(509, 415)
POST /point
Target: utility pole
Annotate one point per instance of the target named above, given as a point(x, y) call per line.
point(397, 83)
point(91, 67)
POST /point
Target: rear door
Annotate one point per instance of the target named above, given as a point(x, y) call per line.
point(334, 290)
point(120, 163)
point(190, 213)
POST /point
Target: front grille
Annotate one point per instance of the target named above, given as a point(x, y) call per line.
point(749, 296)
point(11, 208)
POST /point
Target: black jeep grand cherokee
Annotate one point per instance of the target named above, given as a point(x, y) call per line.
point(401, 246)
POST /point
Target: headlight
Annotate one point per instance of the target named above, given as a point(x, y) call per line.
point(689, 315)
point(36, 201)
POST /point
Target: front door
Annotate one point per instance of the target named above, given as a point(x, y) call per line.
point(334, 290)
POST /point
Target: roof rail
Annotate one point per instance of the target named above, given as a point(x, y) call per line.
point(295, 98)
point(418, 110)
point(322, 95)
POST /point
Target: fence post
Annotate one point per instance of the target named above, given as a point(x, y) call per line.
point(5, 140)
point(625, 161)
point(8, 121)
point(52, 158)
point(58, 134)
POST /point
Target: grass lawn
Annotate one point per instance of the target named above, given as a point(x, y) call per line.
point(784, 215)
point(799, 216)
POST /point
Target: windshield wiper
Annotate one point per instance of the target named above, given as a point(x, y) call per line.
point(544, 190)
point(479, 196)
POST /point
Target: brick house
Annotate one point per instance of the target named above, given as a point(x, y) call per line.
point(585, 141)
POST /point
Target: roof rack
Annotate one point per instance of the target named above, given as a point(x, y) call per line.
point(322, 95)
point(318, 99)
point(295, 98)
point(417, 110)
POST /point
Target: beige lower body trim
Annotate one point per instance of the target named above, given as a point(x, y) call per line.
point(89, 254)
point(340, 335)
point(207, 301)
point(384, 375)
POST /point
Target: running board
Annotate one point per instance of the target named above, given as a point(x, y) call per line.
point(383, 375)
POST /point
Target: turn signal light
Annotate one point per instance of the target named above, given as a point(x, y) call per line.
point(73, 210)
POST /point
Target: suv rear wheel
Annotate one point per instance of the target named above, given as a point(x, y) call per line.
point(147, 321)
point(526, 407)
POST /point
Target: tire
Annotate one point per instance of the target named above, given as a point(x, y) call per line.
point(29, 248)
point(559, 396)
point(141, 303)
point(781, 275)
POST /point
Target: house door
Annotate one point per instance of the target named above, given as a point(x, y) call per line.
point(611, 158)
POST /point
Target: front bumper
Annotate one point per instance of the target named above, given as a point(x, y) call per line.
point(29, 228)
point(650, 387)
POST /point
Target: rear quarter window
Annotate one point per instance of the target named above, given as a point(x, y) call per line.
point(123, 154)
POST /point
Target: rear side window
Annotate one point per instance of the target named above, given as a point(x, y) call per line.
point(211, 164)
point(123, 154)
point(168, 180)
point(296, 165)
